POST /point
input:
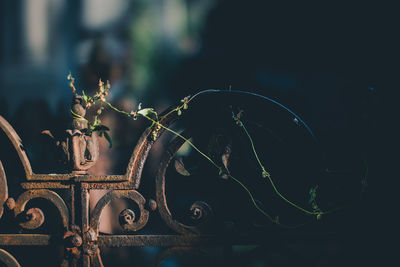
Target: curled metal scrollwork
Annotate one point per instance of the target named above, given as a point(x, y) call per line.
point(127, 217)
point(34, 216)
point(199, 210)
point(3, 189)
point(8, 259)
point(17, 143)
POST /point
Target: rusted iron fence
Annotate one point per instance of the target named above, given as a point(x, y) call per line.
point(78, 238)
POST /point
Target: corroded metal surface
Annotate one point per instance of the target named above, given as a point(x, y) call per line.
point(8, 259)
point(17, 143)
point(197, 210)
point(127, 217)
point(24, 240)
point(3, 189)
point(35, 216)
point(81, 235)
point(81, 239)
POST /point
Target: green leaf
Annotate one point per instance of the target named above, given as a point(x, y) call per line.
point(313, 194)
point(186, 99)
point(85, 97)
point(108, 137)
point(146, 111)
point(179, 112)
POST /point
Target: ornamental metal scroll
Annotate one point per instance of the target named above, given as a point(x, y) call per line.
point(81, 240)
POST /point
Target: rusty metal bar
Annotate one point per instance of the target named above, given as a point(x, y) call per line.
point(84, 206)
point(201, 240)
point(24, 240)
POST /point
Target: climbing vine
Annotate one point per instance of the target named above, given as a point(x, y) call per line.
point(152, 116)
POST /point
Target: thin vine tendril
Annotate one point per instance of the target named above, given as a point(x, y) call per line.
point(156, 122)
point(269, 217)
point(265, 174)
point(270, 179)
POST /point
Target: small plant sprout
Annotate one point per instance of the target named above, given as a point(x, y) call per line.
point(71, 83)
point(313, 194)
point(154, 133)
point(95, 125)
point(265, 174)
point(313, 202)
point(185, 102)
point(184, 105)
point(237, 117)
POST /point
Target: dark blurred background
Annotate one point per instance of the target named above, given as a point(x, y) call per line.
point(332, 62)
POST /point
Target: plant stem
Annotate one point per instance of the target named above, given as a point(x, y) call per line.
point(204, 155)
point(252, 147)
point(220, 168)
point(270, 179)
point(252, 198)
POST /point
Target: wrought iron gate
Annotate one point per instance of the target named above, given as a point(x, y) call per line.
point(80, 239)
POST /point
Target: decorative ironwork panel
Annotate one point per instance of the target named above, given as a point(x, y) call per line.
point(202, 225)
